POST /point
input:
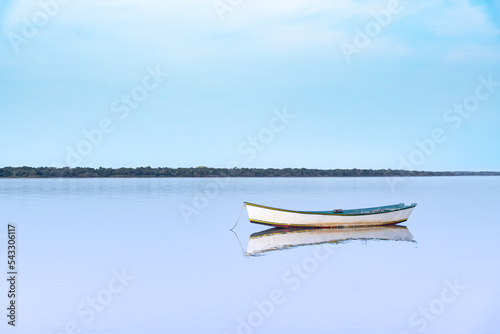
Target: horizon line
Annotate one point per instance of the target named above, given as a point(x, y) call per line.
point(260, 168)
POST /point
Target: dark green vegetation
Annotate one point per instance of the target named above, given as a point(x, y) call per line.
point(44, 172)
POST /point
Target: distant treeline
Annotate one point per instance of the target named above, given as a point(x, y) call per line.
point(46, 172)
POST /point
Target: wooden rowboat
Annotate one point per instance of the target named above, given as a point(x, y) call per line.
point(376, 216)
point(282, 238)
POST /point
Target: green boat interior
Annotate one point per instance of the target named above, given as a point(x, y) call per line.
point(377, 209)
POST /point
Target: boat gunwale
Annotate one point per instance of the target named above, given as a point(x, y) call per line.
point(324, 213)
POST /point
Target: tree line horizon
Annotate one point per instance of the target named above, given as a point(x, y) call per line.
point(203, 171)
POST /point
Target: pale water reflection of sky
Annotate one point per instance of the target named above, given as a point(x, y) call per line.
point(73, 234)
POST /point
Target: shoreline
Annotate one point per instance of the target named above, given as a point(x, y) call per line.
point(208, 172)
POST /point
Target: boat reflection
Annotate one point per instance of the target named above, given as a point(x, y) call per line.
point(279, 239)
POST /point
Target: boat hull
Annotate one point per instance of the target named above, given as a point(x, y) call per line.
point(260, 214)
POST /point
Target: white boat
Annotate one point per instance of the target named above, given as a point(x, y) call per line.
point(279, 238)
point(376, 216)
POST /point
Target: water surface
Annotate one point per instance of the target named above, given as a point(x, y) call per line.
point(183, 271)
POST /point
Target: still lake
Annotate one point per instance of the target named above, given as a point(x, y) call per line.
point(156, 256)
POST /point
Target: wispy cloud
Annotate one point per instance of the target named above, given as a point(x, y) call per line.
point(189, 30)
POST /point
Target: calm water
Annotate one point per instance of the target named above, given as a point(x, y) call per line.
point(157, 256)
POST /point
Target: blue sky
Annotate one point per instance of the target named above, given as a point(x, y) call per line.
point(65, 69)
